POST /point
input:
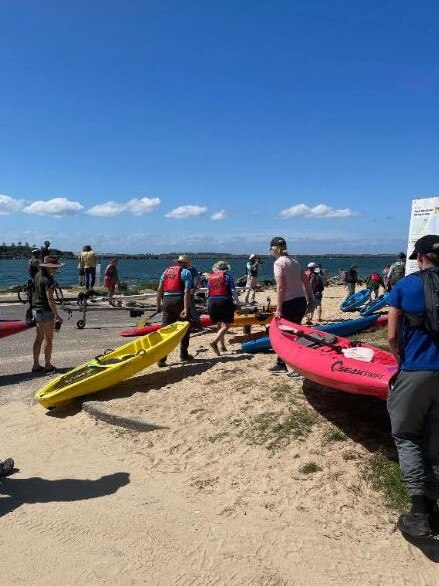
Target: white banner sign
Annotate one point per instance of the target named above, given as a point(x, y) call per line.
point(424, 220)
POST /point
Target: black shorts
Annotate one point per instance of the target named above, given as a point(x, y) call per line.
point(222, 311)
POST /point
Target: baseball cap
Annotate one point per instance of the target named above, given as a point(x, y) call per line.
point(278, 241)
point(312, 265)
point(425, 245)
point(252, 256)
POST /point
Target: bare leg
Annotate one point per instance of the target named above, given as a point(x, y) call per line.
point(219, 338)
point(47, 328)
point(36, 348)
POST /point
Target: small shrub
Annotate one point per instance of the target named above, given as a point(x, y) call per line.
point(310, 468)
point(333, 434)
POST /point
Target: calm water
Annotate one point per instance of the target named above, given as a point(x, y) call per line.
point(14, 272)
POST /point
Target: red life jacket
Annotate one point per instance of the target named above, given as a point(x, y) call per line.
point(172, 280)
point(375, 277)
point(218, 285)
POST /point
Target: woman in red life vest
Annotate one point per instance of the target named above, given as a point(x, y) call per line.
point(222, 301)
point(374, 281)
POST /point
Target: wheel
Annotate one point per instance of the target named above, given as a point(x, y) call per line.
point(80, 324)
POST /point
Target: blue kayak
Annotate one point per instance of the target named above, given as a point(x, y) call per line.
point(340, 328)
point(376, 305)
point(355, 300)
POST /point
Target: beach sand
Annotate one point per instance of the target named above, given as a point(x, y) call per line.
point(216, 496)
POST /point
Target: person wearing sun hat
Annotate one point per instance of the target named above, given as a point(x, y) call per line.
point(174, 298)
point(45, 312)
point(252, 270)
point(413, 400)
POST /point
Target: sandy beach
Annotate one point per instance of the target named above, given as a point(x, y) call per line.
point(215, 494)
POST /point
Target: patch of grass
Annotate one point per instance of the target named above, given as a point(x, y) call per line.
point(376, 338)
point(218, 436)
point(349, 455)
point(333, 434)
point(384, 475)
point(196, 410)
point(276, 429)
point(310, 468)
point(283, 392)
point(141, 286)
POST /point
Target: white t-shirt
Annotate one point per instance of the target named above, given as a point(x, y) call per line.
point(288, 271)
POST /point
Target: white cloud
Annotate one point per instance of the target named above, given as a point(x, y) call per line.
point(144, 205)
point(221, 215)
point(58, 206)
point(9, 205)
point(107, 209)
point(190, 211)
point(321, 210)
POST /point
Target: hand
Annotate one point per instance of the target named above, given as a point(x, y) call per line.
point(58, 319)
point(183, 314)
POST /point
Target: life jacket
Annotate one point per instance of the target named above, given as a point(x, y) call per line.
point(375, 277)
point(428, 320)
point(316, 282)
point(172, 280)
point(218, 285)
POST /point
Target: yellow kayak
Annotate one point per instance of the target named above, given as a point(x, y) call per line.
point(251, 319)
point(113, 367)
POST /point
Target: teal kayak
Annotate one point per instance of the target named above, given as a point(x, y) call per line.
point(375, 305)
point(355, 300)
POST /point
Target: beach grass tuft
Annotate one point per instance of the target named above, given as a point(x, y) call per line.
point(310, 468)
point(384, 475)
point(333, 434)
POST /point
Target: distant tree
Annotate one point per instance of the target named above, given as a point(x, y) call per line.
point(19, 244)
point(12, 244)
point(26, 244)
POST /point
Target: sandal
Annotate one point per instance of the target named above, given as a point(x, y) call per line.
point(50, 369)
point(6, 467)
point(36, 369)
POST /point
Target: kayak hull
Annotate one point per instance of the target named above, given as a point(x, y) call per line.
point(112, 368)
point(375, 305)
point(327, 367)
point(356, 300)
point(341, 328)
point(241, 320)
point(9, 328)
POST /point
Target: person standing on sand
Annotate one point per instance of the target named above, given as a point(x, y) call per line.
point(315, 277)
point(413, 400)
point(252, 270)
point(89, 261)
point(293, 290)
point(45, 312)
point(174, 297)
point(111, 279)
point(351, 279)
point(221, 303)
point(396, 271)
point(374, 282)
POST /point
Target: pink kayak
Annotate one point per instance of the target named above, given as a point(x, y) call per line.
point(332, 361)
point(10, 327)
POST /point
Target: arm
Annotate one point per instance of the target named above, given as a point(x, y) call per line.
point(159, 297)
point(280, 292)
point(187, 303)
point(307, 287)
point(393, 331)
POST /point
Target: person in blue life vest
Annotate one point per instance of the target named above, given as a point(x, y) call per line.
point(252, 269)
point(221, 302)
point(413, 401)
point(174, 299)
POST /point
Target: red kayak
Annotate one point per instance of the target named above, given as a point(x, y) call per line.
point(10, 327)
point(332, 361)
point(204, 320)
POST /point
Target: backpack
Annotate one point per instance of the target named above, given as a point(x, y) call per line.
point(428, 320)
point(398, 272)
point(316, 281)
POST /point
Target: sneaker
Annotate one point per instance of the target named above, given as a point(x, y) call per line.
point(186, 357)
point(6, 467)
point(433, 513)
point(414, 524)
point(278, 369)
point(294, 374)
point(162, 363)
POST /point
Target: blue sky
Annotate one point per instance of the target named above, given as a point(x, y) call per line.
point(162, 125)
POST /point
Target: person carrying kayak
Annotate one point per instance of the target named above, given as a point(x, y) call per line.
point(293, 290)
point(221, 303)
point(174, 299)
point(374, 282)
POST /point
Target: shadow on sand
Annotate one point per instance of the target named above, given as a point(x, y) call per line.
point(21, 491)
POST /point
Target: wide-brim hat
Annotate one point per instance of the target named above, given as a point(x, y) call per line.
point(184, 258)
point(51, 262)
